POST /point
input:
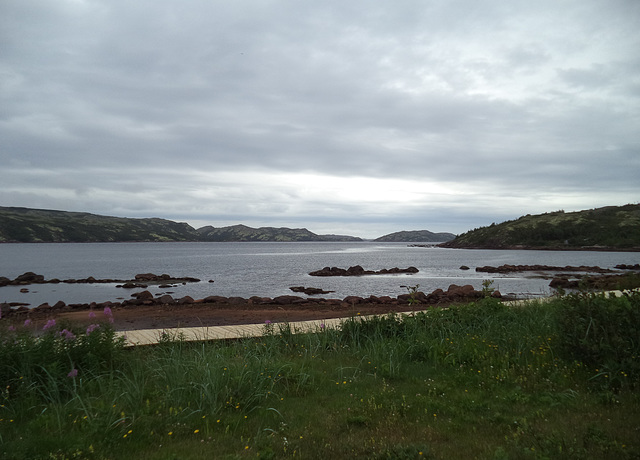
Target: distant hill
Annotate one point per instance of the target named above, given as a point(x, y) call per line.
point(25, 225)
point(608, 228)
point(244, 233)
point(416, 236)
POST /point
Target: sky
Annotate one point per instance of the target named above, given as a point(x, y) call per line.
point(361, 118)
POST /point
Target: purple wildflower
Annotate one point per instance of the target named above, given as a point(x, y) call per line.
point(50, 323)
point(107, 311)
point(92, 314)
point(67, 334)
point(12, 328)
point(27, 322)
point(92, 327)
point(321, 325)
point(267, 322)
point(73, 374)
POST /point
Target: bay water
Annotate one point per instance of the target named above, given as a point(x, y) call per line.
point(269, 269)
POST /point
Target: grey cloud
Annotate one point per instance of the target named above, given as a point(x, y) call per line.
point(118, 99)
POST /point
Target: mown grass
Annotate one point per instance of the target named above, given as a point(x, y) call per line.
point(546, 380)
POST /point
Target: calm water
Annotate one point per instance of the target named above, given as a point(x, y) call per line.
point(269, 269)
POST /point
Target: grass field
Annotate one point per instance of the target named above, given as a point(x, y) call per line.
point(545, 380)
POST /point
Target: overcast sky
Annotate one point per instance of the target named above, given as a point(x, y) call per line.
point(358, 117)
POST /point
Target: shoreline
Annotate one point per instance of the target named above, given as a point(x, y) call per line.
point(148, 312)
point(208, 314)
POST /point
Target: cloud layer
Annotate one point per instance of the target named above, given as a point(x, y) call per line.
point(360, 117)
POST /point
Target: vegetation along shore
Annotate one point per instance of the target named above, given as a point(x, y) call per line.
point(550, 380)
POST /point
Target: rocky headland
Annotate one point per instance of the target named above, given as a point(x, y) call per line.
point(611, 228)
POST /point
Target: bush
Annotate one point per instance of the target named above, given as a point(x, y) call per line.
point(603, 332)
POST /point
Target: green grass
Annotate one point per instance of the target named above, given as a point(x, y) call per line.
point(547, 380)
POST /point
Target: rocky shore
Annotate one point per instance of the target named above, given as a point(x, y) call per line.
point(143, 300)
point(144, 310)
point(541, 268)
point(576, 277)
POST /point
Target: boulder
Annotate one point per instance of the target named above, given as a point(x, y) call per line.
point(467, 291)
point(563, 282)
point(353, 299)
point(309, 290)
point(132, 302)
point(628, 267)
point(132, 285)
point(356, 270)
point(288, 299)
point(461, 291)
point(237, 301)
point(29, 277)
point(329, 271)
point(166, 300)
point(185, 300)
point(256, 300)
point(215, 299)
point(143, 295)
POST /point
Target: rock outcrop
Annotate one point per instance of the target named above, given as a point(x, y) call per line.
point(541, 268)
point(357, 270)
point(33, 278)
point(309, 290)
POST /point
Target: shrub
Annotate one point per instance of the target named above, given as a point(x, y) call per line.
point(603, 332)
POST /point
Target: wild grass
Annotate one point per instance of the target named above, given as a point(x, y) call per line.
point(545, 380)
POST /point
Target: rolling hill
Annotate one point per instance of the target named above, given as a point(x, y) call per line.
point(607, 228)
point(416, 236)
point(26, 225)
point(243, 233)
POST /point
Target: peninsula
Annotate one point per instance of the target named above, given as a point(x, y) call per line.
point(611, 228)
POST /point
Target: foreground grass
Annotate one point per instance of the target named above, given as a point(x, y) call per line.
point(552, 380)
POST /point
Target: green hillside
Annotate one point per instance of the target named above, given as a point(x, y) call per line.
point(244, 233)
point(608, 228)
point(38, 225)
point(25, 225)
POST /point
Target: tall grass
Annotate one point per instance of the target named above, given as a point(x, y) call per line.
point(545, 380)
